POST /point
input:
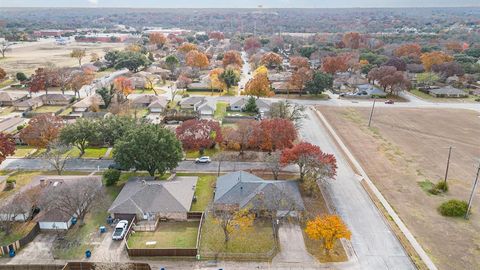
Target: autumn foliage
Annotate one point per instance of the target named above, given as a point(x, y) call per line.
point(196, 59)
point(409, 50)
point(334, 64)
point(434, 58)
point(196, 134)
point(271, 60)
point(232, 58)
point(187, 47)
point(216, 35)
point(352, 40)
point(259, 86)
point(42, 130)
point(7, 146)
point(328, 229)
point(298, 62)
point(123, 85)
point(252, 45)
point(158, 39)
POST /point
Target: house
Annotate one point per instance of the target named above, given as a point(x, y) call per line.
point(10, 124)
point(284, 88)
point(279, 76)
point(206, 110)
point(239, 105)
point(192, 103)
point(368, 91)
point(7, 98)
point(448, 92)
point(86, 103)
point(46, 99)
point(158, 105)
point(143, 101)
point(148, 199)
point(238, 190)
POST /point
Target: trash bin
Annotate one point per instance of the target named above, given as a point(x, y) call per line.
point(103, 229)
point(88, 253)
point(74, 220)
point(11, 253)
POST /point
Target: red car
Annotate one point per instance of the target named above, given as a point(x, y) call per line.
point(389, 101)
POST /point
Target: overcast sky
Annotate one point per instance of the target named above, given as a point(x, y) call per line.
point(239, 4)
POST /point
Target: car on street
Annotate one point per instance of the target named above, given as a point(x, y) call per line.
point(389, 101)
point(120, 230)
point(203, 159)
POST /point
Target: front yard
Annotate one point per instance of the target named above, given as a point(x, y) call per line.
point(167, 235)
point(23, 151)
point(204, 192)
point(47, 109)
point(207, 152)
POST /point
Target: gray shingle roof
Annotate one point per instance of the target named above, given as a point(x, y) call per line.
point(141, 195)
point(245, 189)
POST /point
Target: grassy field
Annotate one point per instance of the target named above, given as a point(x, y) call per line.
point(207, 152)
point(47, 109)
point(23, 150)
point(149, 91)
point(404, 153)
point(204, 192)
point(221, 110)
point(203, 93)
point(6, 82)
point(258, 239)
point(90, 153)
point(167, 235)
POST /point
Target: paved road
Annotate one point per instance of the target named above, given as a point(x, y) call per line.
point(375, 246)
point(95, 164)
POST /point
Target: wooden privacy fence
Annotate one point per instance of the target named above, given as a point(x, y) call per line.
point(31, 267)
point(17, 245)
point(91, 266)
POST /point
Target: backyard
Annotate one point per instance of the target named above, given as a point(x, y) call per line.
point(167, 235)
point(402, 152)
point(47, 109)
point(203, 192)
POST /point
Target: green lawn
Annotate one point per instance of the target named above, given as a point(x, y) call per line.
point(167, 235)
point(90, 153)
point(5, 83)
point(233, 113)
point(428, 97)
point(6, 110)
point(304, 96)
point(204, 192)
point(221, 110)
point(204, 93)
point(23, 150)
point(66, 112)
point(258, 239)
point(47, 109)
point(207, 152)
point(149, 91)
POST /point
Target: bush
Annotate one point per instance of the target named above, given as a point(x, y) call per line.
point(442, 186)
point(111, 176)
point(453, 208)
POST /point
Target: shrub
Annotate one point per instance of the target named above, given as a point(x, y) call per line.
point(453, 208)
point(442, 186)
point(434, 191)
point(111, 176)
point(11, 181)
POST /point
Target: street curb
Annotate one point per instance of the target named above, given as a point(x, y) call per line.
point(403, 228)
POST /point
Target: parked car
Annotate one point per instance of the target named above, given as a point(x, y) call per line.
point(120, 230)
point(203, 159)
point(389, 101)
point(116, 166)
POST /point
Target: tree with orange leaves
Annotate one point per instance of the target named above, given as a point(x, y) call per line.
point(215, 81)
point(434, 58)
point(334, 64)
point(328, 228)
point(298, 62)
point(252, 45)
point(352, 40)
point(187, 47)
point(409, 50)
point(299, 79)
point(196, 59)
point(123, 85)
point(81, 78)
point(216, 35)
point(275, 134)
point(455, 47)
point(42, 130)
point(232, 58)
point(259, 86)
point(7, 146)
point(157, 39)
point(271, 60)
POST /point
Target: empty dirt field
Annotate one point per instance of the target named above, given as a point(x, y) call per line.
point(406, 147)
point(27, 57)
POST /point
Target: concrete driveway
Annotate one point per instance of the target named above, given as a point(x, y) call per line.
point(108, 250)
point(292, 246)
point(39, 250)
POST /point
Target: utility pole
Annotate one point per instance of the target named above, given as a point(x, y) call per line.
point(473, 192)
point(371, 112)
point(448, 165)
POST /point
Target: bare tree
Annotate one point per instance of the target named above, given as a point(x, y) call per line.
point(231, 221)
point(19, 208)
point(4, 47)
point(286, 110)
point(57, 155)
point(75, 198)
point(272, 162)
point(64, 76)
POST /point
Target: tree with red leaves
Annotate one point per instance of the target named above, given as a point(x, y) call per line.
point(7, 146)
point(42, 130)
point(352, 40)
point(157, 39)
point(39, 81)
point(252, 45)
point(275, 134)
point(271, 60)
point(334, 64)
point(298, 62)
point(216, 35)
point(389, 77)
point(412, 50)
point(310, 160)
point(232, 57)
point(396, 62)
point(196, 134)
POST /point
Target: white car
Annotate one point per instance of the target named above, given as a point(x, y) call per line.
point(203, 159)
point(120, 230)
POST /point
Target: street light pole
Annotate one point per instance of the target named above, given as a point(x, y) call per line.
point(473, 193)
point(448, 164)
point(371, 112)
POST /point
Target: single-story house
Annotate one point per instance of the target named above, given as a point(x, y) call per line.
point(46, 99)
point(7, 98)
point(239, 105)
point(148, 199)
point(238, 190)
point(284, 88)
point(368, 91)
point(145, 100)
point(449, 92)
point(279, 76)
point(206, 110)
point(86, 103)
point(158, 106)
point(192, 103)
